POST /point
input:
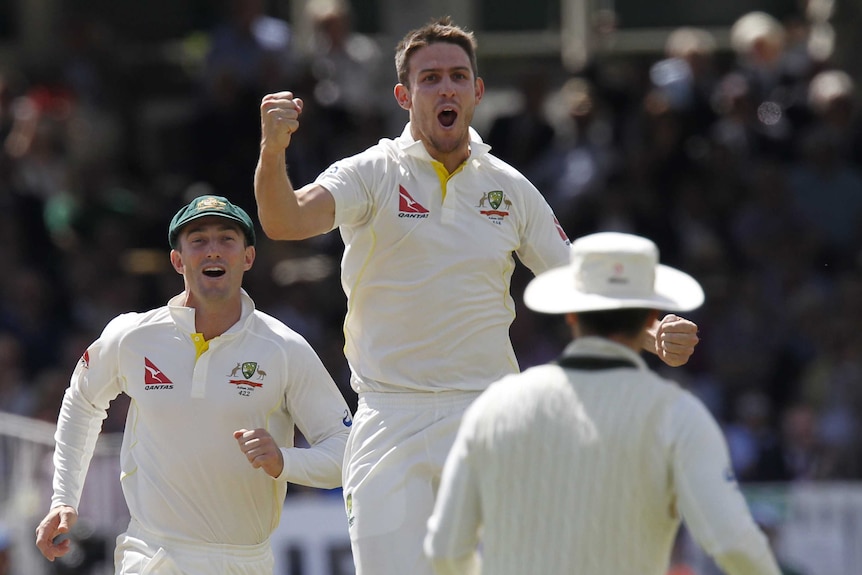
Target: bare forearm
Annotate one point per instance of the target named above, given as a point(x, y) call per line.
point(277, 207)
point(648, 340)
point(285, 213)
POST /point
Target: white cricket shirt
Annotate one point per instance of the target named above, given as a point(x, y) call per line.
point(183, 474)
point(428, 262)
point(564, 471)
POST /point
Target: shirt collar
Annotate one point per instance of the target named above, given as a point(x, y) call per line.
point(184, 316)
point(592, 346)
point(416, 148)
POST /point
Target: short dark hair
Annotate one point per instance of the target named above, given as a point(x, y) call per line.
point(437, 30)
point(628, 322)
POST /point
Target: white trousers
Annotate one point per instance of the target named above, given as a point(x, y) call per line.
point(393, 465)
point(140, 552)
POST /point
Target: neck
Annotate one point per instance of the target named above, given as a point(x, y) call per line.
point(450, 160)
point(212, 319)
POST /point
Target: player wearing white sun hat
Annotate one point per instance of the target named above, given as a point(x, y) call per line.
point(589, 465)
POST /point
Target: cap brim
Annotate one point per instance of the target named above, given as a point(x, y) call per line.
point(177, 228)
point(554, 292)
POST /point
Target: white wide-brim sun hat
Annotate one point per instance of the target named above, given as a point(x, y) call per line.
point(611, 270)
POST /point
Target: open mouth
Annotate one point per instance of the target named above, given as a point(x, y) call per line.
point(447, 117)
point(214, 272)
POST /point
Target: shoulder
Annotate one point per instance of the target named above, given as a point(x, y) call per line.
point(131, 321)
point(368, 161)
point(506, 176)
point(519, 390)
point(267, 327)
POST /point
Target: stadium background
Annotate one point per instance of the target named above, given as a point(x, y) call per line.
point(113, 113)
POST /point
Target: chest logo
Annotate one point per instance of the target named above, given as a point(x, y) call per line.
point(154, 378)
point(252, 373)
point(494, 200)
point(408, 207)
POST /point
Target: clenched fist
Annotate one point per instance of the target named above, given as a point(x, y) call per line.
point(675, 339)
point(261, 450)
point(279, 119)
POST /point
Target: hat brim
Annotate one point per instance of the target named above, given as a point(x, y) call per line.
point(554, 292)
point(174, 235)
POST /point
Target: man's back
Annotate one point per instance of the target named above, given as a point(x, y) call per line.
point(582, 458)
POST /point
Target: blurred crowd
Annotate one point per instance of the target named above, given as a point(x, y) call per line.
point(743, 164)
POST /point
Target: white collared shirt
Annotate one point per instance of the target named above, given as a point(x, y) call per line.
point(183, 474)
point(428, 260)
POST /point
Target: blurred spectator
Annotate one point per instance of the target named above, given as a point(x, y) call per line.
point(250, 51)
point(775, 78)
point(580, 165)
point(16, 393)
point(522, 137)
point(805, 456)
point(352, 97)
point(687, 76)
point(828, 192)
point(32, 311)
point(752, 440)
point(832, 101)
point(250, 54)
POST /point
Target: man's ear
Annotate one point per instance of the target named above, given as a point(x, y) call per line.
point(250, 254)
point(177, 261)
point(402, 96)
point(479, 89)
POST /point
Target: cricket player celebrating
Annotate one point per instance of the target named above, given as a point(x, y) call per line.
point(216, 388)
point(431, 223)
point(588, 465)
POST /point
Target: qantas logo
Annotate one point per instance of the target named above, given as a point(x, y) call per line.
point(408, 207)
point(154, 378)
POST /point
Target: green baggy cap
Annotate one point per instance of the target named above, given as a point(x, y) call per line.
point(210, 206)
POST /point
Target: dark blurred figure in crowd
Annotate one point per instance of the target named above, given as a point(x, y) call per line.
point(804, 455)
point(573, 175)
point(249, 50)
point(351, 87)
point(250, 53)
point(523, 136)
point(828, 191)
point(832, 101)
point(775, 77)
point(686, 77)
point(752, 440)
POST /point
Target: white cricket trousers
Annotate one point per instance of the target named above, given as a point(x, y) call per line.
point(141, 552)
point(393, 464)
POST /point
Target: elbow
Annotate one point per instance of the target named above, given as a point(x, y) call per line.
point(276, 229)
point(273, 229)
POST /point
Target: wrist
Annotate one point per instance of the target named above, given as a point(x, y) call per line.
point(271, 152)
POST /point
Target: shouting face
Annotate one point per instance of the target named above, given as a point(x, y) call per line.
point(212, 257)
point(441, 98)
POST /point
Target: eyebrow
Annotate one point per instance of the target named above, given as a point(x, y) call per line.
point(450, 69)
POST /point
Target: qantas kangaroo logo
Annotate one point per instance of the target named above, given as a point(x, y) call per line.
point(408, 207)
point(154, 378)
